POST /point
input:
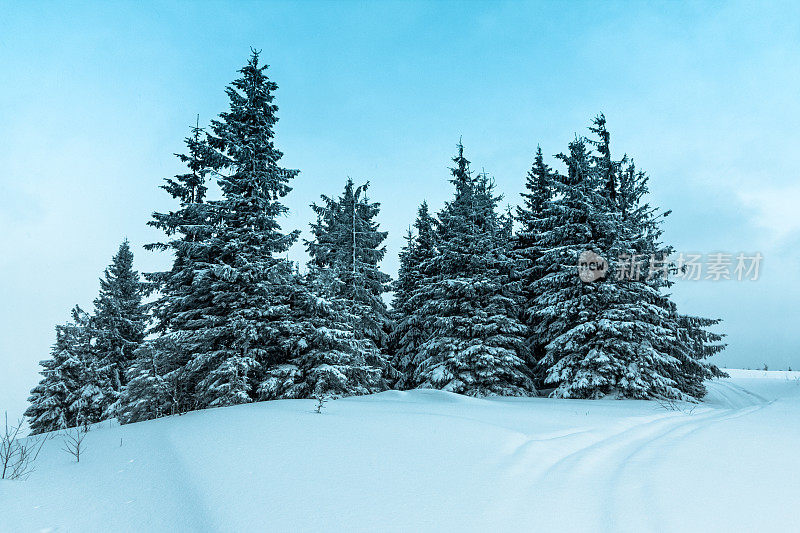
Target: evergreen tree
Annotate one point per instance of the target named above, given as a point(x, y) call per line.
point(68, 394)
point(696, 343)
point(154, 387)
point(348, 244)
point(406, 274)
point(409, 334)
point(605, 167)
point(616, 335)
point(236, 321)
point(468, 306)
point(420, 246)
point(687, 339)
point(326, 356)
point(527, 242)
point(118, 325)
point(610, 336)
point(158, 380)
point(243, 285)
point(224, 305)
point(565, 309)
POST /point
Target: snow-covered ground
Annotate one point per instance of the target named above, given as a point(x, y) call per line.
point(430, 460)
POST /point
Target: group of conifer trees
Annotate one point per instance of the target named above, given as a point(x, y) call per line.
point(485, 303)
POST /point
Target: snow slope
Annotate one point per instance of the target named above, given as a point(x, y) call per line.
point(430, 460)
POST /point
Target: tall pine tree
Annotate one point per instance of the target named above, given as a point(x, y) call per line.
point(618, 335)
point(349, 246)
point(687, 339)
point(409, 333)
point(568, 313)
point(118, 325)
point(527, 242)
point(468, 299)
point(243, 283)
point(158, 379)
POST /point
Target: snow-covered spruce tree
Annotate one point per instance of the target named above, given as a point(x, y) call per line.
point(406, 274)
point(468, 306)
point(154, 388)
point(420, 246)
point(242, 283)
point(349, 246)
point(118, 325)
point(577, 323)
point(526, 242)
point(688, 341)
point(325, 356)
point(158, 381)
point(408, 335)
point(68, 394)
point(695, 343)
point(610, 336)
point(616, 336)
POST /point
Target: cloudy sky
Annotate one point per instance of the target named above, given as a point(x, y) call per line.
point(95, 99)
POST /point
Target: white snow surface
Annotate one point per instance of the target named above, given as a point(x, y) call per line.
point(428, 460)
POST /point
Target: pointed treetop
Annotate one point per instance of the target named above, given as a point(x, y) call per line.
point(607, 168)
point(461, 172)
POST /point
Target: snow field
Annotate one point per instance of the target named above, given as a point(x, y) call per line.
point(427, 460)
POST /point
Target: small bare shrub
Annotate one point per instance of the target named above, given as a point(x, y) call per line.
point(18, 455)
point(73, 441)
point(674, 405)
point(321, 399)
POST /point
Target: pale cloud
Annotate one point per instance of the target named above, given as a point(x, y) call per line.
point(775, 209)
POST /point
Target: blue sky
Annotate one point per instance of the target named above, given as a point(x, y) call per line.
point(95, 99)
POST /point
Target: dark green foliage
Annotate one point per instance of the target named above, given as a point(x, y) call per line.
point(409, 334)
point(236, 323)
point(159, 383)
point(325, 354)
point(69, 393)
point(467, 301)
point(348, 245)
point(527, 243)
point(118, 325)
point(620, 335)
point(240, 282)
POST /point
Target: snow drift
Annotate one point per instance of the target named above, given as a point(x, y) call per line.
point(431, 460)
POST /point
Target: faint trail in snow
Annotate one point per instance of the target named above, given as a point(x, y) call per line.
point(742, 402)
point(623, 492)
point(593, 483)
point(727, 394)
point(195, 514)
